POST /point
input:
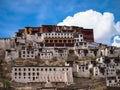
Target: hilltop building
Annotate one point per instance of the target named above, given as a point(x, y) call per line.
point(75, 45)
point(51, 41)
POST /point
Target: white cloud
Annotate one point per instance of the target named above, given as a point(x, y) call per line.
point(103, 24)
point(116, 41)
point(117, 26)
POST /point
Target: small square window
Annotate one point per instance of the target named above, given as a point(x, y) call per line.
point(28, 69)
point(109, 81)
point(33, 69)
point(37, 69)
point(50, 69)
point(29, 74)
point(45, 69)
point(15, 69)
point(37, 73)
point(41, 69)
point(86, 67)
point(15, 73)
point(24, 74)
point(54, 69)
point(24, 69)
point(23, 52)
point(19, 69)
point(28, 52)
point(19, 73)
point(33, 73)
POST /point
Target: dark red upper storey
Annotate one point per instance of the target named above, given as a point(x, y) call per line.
point(48, 28)
point(88, 35)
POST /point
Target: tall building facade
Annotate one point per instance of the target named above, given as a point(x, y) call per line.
point(43, 74)
point(59, 36)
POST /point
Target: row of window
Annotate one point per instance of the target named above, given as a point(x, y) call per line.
point(59, 37)
point(24, 74)
point(27, 78)
point(59, 41)
point(62, 34)
point(83, 67)
point(110, 70)
point(28, 56)
point(77, 40)
point(110, 73)
point(39, 69)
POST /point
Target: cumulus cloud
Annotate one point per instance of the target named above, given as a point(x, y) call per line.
point(103, 25)
point(117, 26)
point(116, 41)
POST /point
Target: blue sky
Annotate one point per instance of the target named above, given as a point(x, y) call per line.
point(16, 14)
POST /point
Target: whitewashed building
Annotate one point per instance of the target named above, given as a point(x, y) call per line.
point(84, 70)
point(42, 74)
point(46, 55)
point(27, 52)
point(5, 43)
point(111, 68)
point(99, 72)
point(80, 53)
point(11, 54)
point(61, 53)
